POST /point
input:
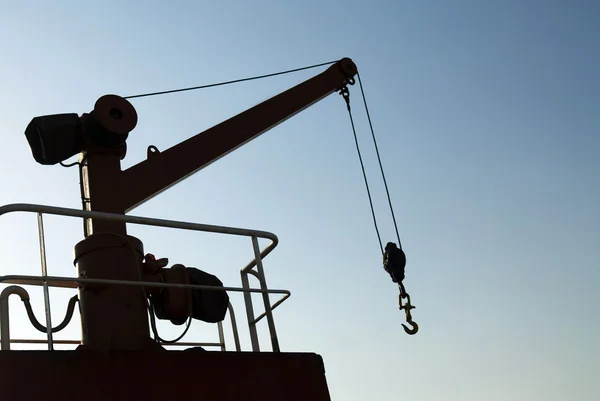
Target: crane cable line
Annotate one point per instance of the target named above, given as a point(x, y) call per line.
point(387, 191)
point(235, 81)
point(346, 95)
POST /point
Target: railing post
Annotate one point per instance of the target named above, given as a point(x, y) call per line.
point(221, 336)
point(4, 313)
point(236, 336)
point(250, 312)
point(45, 282)
point(4, 321)
point(265, 295)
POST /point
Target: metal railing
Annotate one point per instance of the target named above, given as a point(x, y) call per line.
point(5, 339)
point(57, 281)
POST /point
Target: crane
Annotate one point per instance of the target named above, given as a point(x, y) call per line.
point(117, 358)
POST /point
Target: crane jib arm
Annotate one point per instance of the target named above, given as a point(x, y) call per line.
point(162, 170)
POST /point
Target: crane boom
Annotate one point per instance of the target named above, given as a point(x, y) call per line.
point(110, 189)
point(162, 170)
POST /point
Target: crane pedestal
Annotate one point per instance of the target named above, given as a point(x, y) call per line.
point(193, 374)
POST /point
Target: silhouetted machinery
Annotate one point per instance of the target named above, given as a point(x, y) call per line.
point(117, 358)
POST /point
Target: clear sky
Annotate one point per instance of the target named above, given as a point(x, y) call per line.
point(487, 119)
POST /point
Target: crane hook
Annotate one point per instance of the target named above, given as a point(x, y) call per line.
point(413, 330)
point(407, 308)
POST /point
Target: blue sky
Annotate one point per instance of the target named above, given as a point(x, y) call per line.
point(486, 115)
